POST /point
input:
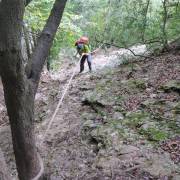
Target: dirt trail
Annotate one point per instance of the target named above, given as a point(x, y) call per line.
point(73, 152)
point(102, 129)
point(67, 155)
point(66, 152)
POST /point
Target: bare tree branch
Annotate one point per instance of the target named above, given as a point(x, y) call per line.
point(139, 55)
point(125, 47)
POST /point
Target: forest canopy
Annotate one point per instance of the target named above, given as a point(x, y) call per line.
point(123, 23)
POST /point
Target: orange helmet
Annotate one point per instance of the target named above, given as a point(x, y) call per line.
point(83, 40)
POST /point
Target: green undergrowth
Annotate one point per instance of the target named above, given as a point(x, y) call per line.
point(154, 121)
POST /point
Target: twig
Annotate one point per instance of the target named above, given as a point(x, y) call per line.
point(135, 167)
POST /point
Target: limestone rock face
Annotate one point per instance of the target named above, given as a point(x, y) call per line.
point(160, 165)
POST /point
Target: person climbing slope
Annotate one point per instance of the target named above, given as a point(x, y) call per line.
point(82, 46)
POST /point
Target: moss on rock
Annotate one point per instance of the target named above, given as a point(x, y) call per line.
point(172, 85)
point(154, 134)
point(136, 119)
point(135, 83)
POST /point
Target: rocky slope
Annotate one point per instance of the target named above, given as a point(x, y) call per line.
point(119, 122)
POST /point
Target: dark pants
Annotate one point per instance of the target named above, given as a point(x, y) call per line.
point(83, 59)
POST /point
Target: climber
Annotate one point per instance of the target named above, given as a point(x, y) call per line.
point(83, 49)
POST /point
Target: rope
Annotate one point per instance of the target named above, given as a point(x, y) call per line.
point(41, 168)
point(54, 115)
point(52, 119)
point(60, 102)
point(62, 97)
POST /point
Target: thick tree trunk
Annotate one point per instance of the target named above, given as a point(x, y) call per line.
point(20, 105)
point(20, 89)
point(18, 92)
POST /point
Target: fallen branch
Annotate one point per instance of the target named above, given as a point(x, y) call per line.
point(133, 168)
point(154, 40)
point(124, 47)
point(139, 55)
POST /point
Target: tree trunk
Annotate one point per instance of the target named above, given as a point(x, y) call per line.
point(20, 105)
point(145, 13)
point(27, 41)
point(19, 91)
point(34, 38)
point(19, 96)
point(165, 14)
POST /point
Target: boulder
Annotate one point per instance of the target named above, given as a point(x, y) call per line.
point(160, 164)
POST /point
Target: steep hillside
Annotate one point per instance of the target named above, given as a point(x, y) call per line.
point(120, 122)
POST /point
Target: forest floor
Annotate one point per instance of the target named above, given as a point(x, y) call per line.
point(122, 121)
